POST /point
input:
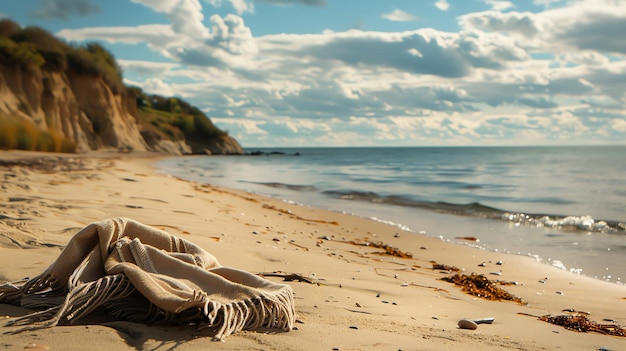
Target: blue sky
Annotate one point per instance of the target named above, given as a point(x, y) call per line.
point(369, 72)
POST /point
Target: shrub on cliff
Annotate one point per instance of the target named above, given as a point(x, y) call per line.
point(173, 118)
point(14, 54)
point(93, 59)
point(17, 133)
point(8, 27)
point(50, 48)
point(36, 46)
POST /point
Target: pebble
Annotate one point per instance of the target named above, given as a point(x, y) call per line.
point(33, 346)
point(467, 324)
point(484, 320)
point(482, 264)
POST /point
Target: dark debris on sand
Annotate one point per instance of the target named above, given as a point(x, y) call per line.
point(478, 285)
point(581, 323)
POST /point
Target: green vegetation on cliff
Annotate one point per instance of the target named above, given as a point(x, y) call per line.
point(172, 118)
point(37, 47)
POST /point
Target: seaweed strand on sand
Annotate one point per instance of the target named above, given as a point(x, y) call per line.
point(480, 286)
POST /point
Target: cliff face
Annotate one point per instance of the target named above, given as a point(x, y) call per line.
point(83, 108)
point(80, 108)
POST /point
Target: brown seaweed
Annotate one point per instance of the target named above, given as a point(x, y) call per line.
point(581, 323)
point(444, 267)
point(388, 249)
point(478, 285)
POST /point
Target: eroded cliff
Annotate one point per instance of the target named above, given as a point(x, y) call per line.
point(76, 95)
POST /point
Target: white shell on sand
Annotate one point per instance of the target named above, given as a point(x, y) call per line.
point(467, 324)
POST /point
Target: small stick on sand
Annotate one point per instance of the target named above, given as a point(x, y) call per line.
point(289, 277)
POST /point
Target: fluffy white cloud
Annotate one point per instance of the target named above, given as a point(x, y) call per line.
point(584, 25)
point(156, 35)
point(240, 6)
point(243, 6)
point(442, 5)
point(619, 125)
point(157, 86)
point(399, 16)
point(546, 3)
point(232, 34)
point(526, 24)
point(185, 15)
point(522, 77)
point(499, 5)
point(146, 69)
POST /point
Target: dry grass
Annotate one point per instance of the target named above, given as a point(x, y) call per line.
point(17, 133)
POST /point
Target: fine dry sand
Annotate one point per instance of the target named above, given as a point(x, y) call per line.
point(363, 300)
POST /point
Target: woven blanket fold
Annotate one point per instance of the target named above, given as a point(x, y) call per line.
point(143, 274)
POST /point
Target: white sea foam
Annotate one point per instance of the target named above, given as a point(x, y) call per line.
point(579, 222)
point(558, 264)
point(398, 225)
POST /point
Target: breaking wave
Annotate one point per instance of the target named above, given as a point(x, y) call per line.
point(567, 222)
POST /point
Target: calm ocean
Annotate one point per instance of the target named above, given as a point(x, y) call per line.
point(563, 205)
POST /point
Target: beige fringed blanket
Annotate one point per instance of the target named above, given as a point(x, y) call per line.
point(143, 274)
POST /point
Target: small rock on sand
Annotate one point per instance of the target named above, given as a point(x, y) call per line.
point(467, 324)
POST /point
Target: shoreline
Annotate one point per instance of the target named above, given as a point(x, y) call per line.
point(558, 241)
point(364, 300)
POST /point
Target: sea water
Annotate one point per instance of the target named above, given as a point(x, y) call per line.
point(565, 206)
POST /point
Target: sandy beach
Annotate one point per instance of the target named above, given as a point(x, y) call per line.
point(357, 294)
